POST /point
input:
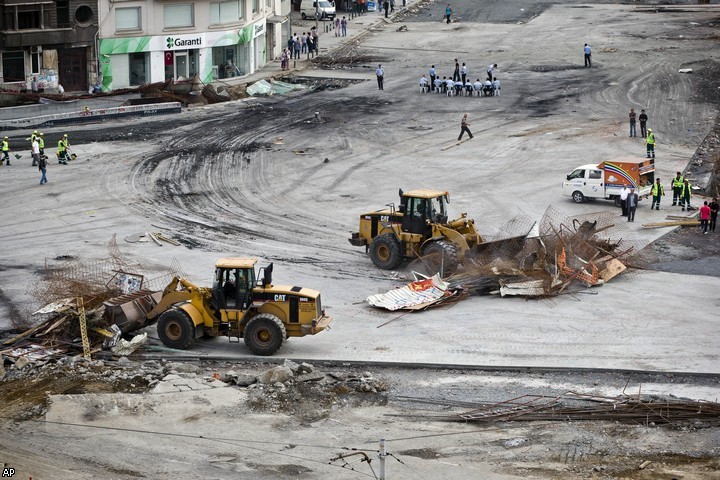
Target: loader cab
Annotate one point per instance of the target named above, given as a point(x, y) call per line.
point(233, 283)
point(421, 209)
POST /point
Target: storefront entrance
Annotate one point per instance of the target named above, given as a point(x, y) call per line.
point(181, 64)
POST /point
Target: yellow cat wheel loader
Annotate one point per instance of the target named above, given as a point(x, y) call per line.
point(240, 304)
point(418, 227)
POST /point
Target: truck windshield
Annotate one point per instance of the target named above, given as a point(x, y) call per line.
point(324, 4)
point(576, 174)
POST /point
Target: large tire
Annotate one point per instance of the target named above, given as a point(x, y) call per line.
point(264, 334)
point(176, 330)
point(385, 252)
point(441, 253)
point(578, 197)
point(618, 202)
point(303, 15)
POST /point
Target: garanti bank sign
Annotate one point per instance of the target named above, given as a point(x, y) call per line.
point(184, 42)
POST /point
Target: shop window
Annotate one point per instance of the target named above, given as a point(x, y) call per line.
point(127, 18)
point(225, 12)
point(83, 15)
point(138, 68)
point(13, 64)
point(179, 16)
point(256, 6)
point(62, 9)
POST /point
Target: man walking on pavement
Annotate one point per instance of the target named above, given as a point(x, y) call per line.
point(650, 142)
point(448, 12)
point(5, 151)
point(632, 203)
point(588, 55)
point(343, 27)
point(386, 6)
point(380, 74)
point(456, 72)
point(623, 200)
point(463, 73)
point(686, 195)
point(643, 123)
point(677, 185)
point(42, 166)
point(633, 130)
point(657, 192)
point(433, 74)
point(464, 127)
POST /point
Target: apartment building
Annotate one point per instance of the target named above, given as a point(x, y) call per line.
point(52, 41)
point(147, 41)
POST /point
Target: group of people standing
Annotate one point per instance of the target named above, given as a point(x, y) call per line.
point(682, 193)
point(645, 132)
point(297, 44)
point(459, 82)
point(340, 27)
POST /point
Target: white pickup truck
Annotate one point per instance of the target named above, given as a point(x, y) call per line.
point(607, 179)
point(323, 9)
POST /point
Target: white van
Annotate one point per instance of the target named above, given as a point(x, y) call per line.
point(323, 8)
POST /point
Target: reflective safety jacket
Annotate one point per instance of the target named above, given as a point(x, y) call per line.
point(41, 142)
point(650, 140)
point(657, 190)
point(61, 146)
point(5, 146)
point(678, 182)
point(686, 191)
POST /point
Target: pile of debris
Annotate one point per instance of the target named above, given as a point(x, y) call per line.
point(575, 406)
point(75, 316)
point(560, 255)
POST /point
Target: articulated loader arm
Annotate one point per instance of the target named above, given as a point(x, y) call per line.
point(171, 296)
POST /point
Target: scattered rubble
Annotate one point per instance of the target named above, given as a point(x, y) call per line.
point(559, 255)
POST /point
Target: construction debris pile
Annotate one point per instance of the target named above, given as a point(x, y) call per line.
point(74, 317)
point(575, 406)
point(556, 256)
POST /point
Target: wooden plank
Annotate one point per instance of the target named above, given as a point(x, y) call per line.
point(681, 223)
point(26, 333)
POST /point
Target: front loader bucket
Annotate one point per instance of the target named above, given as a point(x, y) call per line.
point(129, 311)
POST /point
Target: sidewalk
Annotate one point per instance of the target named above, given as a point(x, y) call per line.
point(357, 28)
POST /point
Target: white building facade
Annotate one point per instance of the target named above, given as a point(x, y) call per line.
point(151, 41)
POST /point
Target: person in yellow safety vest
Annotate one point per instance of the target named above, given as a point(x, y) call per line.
point(677, 185)
point(5, 151)
point(62, 151)
point(41, 144)
point(650, 142)
point(33, 137)
point(657, 192)
point(686, 195)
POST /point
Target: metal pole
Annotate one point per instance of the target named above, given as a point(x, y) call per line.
point(381, 457)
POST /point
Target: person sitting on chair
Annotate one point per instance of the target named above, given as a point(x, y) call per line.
point(458, 88)
point(424, 84)
point(478, 86)
point(488, 88)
